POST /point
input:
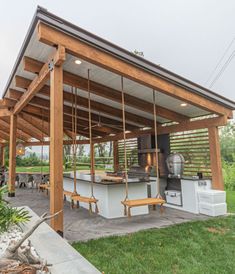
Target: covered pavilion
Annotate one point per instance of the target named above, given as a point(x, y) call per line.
point(51, 73)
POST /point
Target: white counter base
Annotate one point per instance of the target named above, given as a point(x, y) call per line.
point(110, 197)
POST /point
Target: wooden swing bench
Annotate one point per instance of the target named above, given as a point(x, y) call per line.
point(43, 187)
point(78, 198)
point(128, 204)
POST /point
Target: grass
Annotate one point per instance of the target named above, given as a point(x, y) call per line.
point(205, 247)
point(231, 200)
point(46, 168)
point(190, 248)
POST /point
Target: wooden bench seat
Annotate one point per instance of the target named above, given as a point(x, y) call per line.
point(78, 198)
point(43, 187)
point(67, 193)
point(128, 204)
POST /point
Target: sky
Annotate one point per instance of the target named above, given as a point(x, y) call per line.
point(187, 37)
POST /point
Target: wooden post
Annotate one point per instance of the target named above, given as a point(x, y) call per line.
point(12, 156)
point(215, 159)
point(56, 147)
point(115, 156)
point(2, 156)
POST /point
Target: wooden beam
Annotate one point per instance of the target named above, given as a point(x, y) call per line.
point(5, 112)
point(215, 159)
point(35, 66)
point(5, 128)
point(41, 125)
point(189, 125)
point(192, 125)
point(12, 156)
point(40, 80)
point(47, 143)
point(29, 129)
point(78, 48)
point(82, 114)
point(5, 103)
point(5, 136)
point(56, 148)
point(2, 156)
point(95, 106)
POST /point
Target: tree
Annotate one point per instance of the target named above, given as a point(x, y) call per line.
point(227, 142)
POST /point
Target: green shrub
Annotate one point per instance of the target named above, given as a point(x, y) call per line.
point(9, 215)
point(229, 175)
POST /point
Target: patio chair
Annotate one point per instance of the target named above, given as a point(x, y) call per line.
point(37, 179)
point(6, 178)
point(23, 180)
point(44, 185)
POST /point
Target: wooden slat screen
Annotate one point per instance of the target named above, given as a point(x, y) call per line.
point(194, 146)
point(131, 152)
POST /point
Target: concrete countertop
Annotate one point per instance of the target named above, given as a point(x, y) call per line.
point(98, 179)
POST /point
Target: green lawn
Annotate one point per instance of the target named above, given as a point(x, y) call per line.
point(231, 201)
point(46, 168)
point(205, 247)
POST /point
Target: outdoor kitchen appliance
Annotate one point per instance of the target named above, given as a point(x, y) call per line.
point(175, 165)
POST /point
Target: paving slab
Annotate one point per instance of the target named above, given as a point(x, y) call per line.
point(56, 250)
point(79, 225)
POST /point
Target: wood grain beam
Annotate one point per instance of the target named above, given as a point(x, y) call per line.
point(81, 114)
point(56, 148)
point(80, 49)
point(188, 125)
point(71, 79)
point(5, 112)
point(95, 106)
point(41, 125)
point(12, 156)
point(215, 158)
point(5, 103)
point(40, 80)
point(4, 135)
point(47, 143)
point(21, 135)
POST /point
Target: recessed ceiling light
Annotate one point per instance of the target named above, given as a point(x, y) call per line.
point(183, 104)
point(78, 62)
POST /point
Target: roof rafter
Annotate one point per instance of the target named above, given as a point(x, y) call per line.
point(81, 114)
point(35, 66)
point(22, 82)
point(40, 79)
point(78, 48)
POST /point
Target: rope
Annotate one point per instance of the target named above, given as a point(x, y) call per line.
point(74, 131)
point(90, 136)
point(42, 146)
point(124, 139)
point(156, 145)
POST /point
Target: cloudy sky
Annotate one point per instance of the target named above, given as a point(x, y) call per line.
point(188, 37)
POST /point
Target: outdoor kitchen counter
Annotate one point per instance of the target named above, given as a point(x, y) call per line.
point(109, 194)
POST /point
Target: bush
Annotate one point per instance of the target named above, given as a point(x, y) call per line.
point(229, 175)
point(9, 215)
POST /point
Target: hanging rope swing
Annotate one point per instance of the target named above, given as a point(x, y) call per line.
point(39, 179)
point(127, 203)
point(158, 195)
point(74, 196)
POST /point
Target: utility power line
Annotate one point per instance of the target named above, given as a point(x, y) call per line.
point(220, 60)
point(230, 58)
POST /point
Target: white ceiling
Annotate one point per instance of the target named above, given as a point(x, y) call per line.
point(40, 51)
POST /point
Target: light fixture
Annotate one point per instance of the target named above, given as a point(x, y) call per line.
point(78, 62)
point(20, 149)
point(183, 104)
